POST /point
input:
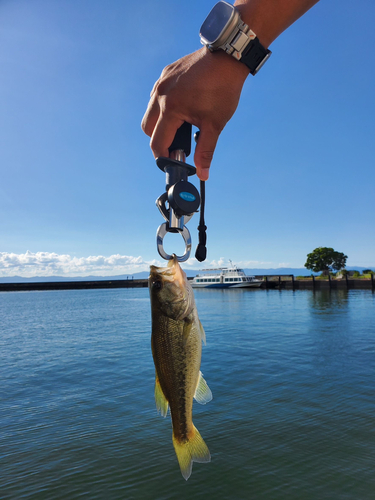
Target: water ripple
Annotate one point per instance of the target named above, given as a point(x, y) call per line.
point(292, 414)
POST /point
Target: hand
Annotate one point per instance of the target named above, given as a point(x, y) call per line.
point(203, 89)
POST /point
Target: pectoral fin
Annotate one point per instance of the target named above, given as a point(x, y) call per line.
point(188, 327)
point(203, 393)
point(160, 400)
point(203, 335)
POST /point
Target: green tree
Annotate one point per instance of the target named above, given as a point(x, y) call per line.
point(367, 271)
point(325, 259)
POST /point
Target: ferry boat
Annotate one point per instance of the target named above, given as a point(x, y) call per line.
point(225, 277)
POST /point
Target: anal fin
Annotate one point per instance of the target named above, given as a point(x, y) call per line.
point(202, 393)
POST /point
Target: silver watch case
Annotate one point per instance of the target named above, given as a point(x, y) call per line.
point(234, 37)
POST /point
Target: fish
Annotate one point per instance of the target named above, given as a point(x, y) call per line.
point(176, 342)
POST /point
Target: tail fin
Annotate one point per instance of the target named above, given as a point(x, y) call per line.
point(194, 450)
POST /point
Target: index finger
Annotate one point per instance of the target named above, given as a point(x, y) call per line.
point(163, 134)
point(151, 116)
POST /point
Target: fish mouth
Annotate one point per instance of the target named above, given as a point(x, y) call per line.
point(177, 301)
point(172, 272)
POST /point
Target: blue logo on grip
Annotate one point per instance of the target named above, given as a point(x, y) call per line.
point(187, 196)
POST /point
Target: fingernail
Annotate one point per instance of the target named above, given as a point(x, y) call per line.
point(205, 172)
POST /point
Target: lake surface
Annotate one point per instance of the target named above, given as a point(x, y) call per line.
point(292, 375)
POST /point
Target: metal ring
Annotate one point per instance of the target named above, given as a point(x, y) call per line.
point(161, 232)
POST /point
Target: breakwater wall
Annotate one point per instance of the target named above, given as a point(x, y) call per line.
point(282, 281)
point(72, 285)
point(289, 282)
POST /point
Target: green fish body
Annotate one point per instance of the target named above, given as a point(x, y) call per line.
point(176, 341)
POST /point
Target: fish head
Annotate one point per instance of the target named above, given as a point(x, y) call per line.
point(171, 293)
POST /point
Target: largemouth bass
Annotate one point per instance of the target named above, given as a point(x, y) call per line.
point(176, 341)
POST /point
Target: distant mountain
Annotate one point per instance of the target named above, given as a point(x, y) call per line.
point(297, 271)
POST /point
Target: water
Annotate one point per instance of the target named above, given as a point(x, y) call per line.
point(292, 374)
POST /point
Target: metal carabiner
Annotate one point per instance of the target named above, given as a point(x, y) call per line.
point(161, 232)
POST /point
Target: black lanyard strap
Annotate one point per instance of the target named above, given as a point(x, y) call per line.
point(201, 251)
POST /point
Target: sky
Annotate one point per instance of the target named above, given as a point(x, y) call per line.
point(293, 169)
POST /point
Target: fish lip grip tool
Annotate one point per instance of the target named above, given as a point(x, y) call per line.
point(181, 198)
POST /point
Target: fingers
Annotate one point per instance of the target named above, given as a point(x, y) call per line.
point(163, 134)
point(204, 151)
point(161, 127)
point(151, 116)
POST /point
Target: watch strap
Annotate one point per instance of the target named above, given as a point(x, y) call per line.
point(255, 55)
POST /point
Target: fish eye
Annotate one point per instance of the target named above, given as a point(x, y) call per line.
point(157, 285)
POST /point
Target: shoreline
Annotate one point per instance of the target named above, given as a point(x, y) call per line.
point(282, 281)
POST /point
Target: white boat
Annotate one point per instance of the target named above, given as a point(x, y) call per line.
point(225, 277)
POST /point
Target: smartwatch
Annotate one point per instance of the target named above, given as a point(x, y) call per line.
point(224, 29)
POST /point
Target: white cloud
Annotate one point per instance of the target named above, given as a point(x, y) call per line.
point(52, 264)
point(30, 264)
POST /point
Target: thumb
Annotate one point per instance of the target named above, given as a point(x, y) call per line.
point(204, 152)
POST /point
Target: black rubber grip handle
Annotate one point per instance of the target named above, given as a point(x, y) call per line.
point(182, 139)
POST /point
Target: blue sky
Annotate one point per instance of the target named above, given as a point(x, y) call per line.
point(293, 170)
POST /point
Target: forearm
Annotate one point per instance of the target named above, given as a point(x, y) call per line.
point(269, 18)
point(204, 88)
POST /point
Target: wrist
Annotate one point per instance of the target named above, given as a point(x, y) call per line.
point(225, 30)
point(229, 67)
point(255, 22)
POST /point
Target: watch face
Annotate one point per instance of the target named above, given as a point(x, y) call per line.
point(216, 22)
